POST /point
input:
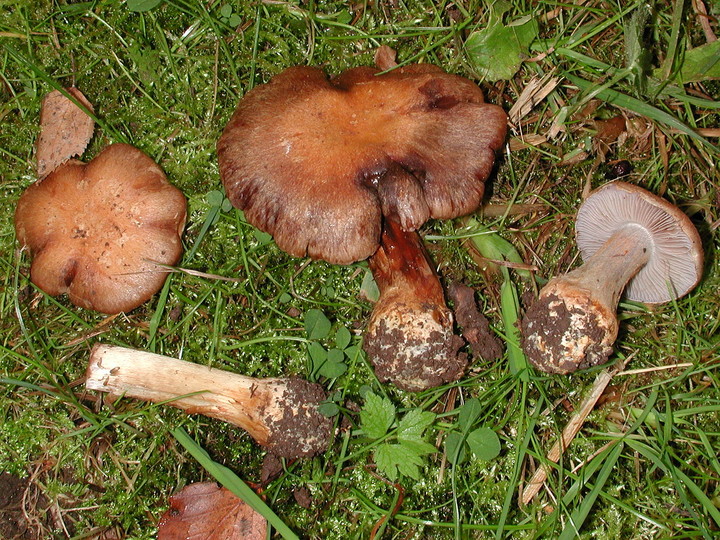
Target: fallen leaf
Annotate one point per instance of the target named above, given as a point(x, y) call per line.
point(498, 50)
point(608, 131)
point(65, 130)
point(385, 57)
point(206, 511)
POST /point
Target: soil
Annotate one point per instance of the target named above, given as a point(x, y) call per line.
point(303, 497)
point(271, 469)
point(475, 326)
point(441, 363)
point(16, 495)
point(297, 429)
point(548, 337)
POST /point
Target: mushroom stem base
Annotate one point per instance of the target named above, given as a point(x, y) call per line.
point(573, 324)
point(410, 338)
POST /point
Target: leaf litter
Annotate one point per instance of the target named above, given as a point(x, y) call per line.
point(65, 130)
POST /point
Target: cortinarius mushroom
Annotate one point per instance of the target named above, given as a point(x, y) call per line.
point(97, 230)
point(336, 168)
point(630, 240)
point(280, 414)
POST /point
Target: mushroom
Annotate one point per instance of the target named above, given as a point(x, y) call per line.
point(96, 231)
point(279, 413)
point(630, 240)
point(336, 168)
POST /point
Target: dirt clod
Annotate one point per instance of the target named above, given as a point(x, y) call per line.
point(475, 326)
point(16, 495)
point(299, 430)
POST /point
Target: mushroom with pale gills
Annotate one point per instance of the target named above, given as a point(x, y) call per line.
point(630, 240)
point(279, 413)
point(96, 231)
point(336, 168)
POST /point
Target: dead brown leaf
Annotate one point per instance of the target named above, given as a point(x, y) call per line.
point(608, 131)
point(385, 57)
point(65, 130)
point(206, 511)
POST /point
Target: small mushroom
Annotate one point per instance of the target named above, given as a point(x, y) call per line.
point(96, 231)
point(336, 168)
point(631, 241)
point(280, 414)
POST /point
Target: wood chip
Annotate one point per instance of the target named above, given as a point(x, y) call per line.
point(65, 130)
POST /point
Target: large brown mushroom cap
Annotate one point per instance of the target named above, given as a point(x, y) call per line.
point(305, 156)
point(96, 230)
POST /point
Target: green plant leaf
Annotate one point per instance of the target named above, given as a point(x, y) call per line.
point(413, 424)
point(317, 325)
point(484, 443)
point(140, 6)
point(420, 447)
point(498, 50)
point(510, 305)
point(376, 416)
point(368, 287)
point(318, 355)
point(455, 448)
point(699, 64)
point(328, 409)
point(394, 459)
point(342, 337)
point(637, 53)
point(353, 352)
point(333, 366)
point(226, 10)
point(214, 198)
point(468, 414)
point(262, 237)
point(493, 246)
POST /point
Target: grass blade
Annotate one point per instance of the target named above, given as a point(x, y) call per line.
point(581, 513)
point(643, 109)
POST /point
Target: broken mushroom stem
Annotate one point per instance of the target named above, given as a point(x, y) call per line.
point(602, 279)
point(410, 338)
point(279, 413)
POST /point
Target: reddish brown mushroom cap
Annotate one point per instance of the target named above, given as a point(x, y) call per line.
point(96, 230)
point(305, 156)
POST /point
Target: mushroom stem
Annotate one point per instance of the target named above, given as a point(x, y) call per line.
point(608, 271)
point(573, 323)
point(280, 414)
point(410, 337)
